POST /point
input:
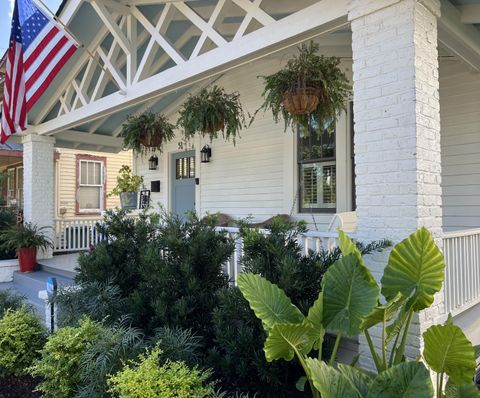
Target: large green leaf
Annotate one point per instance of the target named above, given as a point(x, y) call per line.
point(406, 380)
point(464, 391)
point(447, 350)
point(348, 246)
point(396, 326)
point(359, 380)
point(349, 294)
point(270, 304)
point(416, 269)
point(315, 318)
point(383, 313)
point(285, 339)
point(329, 381)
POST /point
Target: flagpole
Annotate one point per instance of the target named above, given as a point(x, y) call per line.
point(81, 45)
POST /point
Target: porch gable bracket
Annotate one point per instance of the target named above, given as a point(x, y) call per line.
point(76, 108)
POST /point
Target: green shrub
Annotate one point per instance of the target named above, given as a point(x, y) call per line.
point(8, 219)
point(181, 271)
point(237, 354)
point(147, 378)
point(101, 301)
point(106, 355)
point(22, 335)
point(9, 299)
point(59, 365)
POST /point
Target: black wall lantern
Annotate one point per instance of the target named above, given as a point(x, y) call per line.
point(206, 154)
point(153, 162)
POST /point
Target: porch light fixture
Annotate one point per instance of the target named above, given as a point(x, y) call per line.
point(206, 154)
point(153, 162)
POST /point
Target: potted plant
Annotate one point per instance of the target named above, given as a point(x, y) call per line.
point(26, 239)
point(127, 187)
point(146, 132)
point(211, 111)
point(310, 88)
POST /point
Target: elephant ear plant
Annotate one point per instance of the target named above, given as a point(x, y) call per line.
point(349, 304)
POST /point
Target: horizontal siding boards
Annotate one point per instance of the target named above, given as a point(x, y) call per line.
point(460, 123)
point(256, 176)
point(67, 168)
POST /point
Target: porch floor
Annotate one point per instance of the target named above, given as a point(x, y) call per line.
point(62, 264)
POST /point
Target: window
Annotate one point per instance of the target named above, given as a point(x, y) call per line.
point(317, 170)
point(185, 168)
point(90, 196)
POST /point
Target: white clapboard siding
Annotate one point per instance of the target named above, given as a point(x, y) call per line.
point(67, 174)
point(460, 124)
point(257, 176)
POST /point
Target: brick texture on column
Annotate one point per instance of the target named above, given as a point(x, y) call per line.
point(38, 182)
point(397, 130)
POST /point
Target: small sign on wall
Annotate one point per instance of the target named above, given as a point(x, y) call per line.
point(144, 198)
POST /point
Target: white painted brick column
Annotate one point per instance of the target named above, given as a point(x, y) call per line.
point(397, 129)
point(38, 182)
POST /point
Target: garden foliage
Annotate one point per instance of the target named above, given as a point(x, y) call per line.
point(60, 363)
point(349, 304)
point(149, 378)
point(22, 335)
point(10, 300)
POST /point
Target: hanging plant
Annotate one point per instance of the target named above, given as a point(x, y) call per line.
point(146, 132)
point(311, 88)
point(211, 111)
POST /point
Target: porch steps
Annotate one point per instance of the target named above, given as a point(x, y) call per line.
point(30, 284)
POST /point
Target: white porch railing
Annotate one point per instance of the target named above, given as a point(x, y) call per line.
point(462, 273)
point(310, 241)
point(76, 235)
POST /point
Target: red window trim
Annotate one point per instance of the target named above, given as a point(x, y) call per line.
point(102, 159)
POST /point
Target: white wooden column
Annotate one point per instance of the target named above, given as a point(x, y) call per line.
point(38, 182)
point(397, 128)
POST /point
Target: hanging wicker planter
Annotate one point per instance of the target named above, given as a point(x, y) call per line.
point(211, 128)
point(302, 100)
point(152, 141)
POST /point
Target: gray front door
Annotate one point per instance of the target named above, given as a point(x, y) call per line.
point(183, 185)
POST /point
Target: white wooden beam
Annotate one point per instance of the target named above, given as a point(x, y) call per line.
point(110, 22)
point(470, 13)
point(200, 23)
point(460, 39)
point(131, 58)
point(254, 10)
point(211, 23)
point(321, 17)
point(91, 139)
point(112, 68)
point(167, 47)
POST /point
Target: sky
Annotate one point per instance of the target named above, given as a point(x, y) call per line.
point(6, 8)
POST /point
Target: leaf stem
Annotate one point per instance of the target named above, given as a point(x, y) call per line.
point(384, 349)
point(440, 386)
point(401, 348)
point(315, 392)
point(394, 347)
point(375, 357)
point(335, 349)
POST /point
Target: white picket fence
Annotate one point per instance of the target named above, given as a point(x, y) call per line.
point(462, 273)
point(76, 235)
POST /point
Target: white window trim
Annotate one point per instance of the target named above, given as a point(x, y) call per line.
point(101, 186)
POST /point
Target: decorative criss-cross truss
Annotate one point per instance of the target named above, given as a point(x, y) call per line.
point(145, 48)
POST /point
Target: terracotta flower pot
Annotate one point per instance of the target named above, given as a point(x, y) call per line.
point(301, 100)
point(27, 259)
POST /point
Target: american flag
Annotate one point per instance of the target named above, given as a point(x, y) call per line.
point(38, 50)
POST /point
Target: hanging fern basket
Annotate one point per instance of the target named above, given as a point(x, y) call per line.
point(301, 100)
point(211, 127)
point(151, 141)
